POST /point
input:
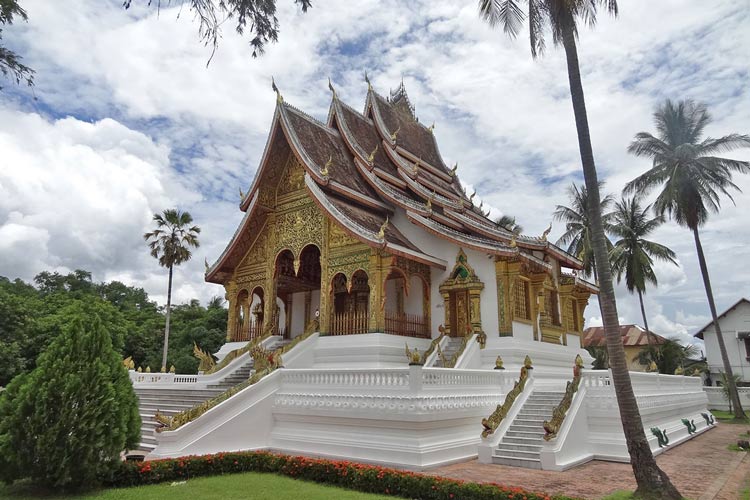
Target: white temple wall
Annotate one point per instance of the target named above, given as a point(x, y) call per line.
point(298, 314)
point(483, 265)
point(413, 301)
point(390, 295)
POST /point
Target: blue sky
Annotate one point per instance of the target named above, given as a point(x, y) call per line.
point(126, 120)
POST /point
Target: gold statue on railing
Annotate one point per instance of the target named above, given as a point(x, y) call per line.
point(413, 356)
point(128, 363)
point(491, 423)
point(552, 426)
point(206, 361)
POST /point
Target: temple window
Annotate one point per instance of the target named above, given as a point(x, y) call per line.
point(522, 299)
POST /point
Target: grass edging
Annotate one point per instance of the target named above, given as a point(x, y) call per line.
point(351, 475)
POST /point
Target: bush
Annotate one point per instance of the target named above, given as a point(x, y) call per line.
point(360, 477)
point(64, 424)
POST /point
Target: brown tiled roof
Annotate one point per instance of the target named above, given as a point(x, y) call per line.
point(322, 143)
point(632, 335)
point(411, 135)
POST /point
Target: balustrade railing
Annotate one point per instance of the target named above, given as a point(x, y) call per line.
point(349, 323)
point(243, 333)
point(407, 325)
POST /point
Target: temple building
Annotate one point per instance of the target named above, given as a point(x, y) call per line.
point(359, 223)
point(357, 239)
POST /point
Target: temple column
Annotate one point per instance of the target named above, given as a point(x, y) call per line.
point(447, 309)
point(230, 294)
point(246, 317)
point(536, 306)
point(567, 311)
point(288, 304)
point(506, 274)
point(308, 306)
point(376, 277)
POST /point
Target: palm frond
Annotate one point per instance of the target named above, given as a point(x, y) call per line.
point(504, 13)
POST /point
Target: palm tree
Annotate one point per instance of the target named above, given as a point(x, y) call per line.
point(633, 255)
point(562, 17)
point(169, 243)
point(508, 222)
point(693, 180)
point(577, 235)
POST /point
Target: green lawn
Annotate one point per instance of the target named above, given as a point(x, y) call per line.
point(727, 417)
point(250, 485)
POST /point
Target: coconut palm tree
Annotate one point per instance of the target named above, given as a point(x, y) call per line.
point(577, 236)
point(633, 255)
point(562, 18)
point(693, 180)
point(508, 222)
point(170, 243)
point(668, 356)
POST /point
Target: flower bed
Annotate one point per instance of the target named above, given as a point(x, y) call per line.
point(352, 475)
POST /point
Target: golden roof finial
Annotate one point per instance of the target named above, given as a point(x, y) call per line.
point(481, 204)
point(381, 233)
point(279, 99)
point(429, 201)
point(371, 158)
point(471, 198)
point(453, 170)
point(367, 79)
point(242, 195)
point(395, 133)
point(546, 233)
point(432, 128)
point(324, 172)
point(205, 263)
point(513, 241)
point(330, 87)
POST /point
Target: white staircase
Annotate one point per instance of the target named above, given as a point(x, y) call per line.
point(170, 400)
point(522, 442)
point(452, 345)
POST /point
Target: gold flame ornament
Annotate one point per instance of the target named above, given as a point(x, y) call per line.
point(324, 172)
point(381, 233)
point(371, 158)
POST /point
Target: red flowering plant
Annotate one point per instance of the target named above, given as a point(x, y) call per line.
point(352, 475)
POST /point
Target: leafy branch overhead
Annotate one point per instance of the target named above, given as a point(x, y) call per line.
point(256, 16)
point(10, 62)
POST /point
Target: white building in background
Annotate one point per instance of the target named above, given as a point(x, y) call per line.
point(735, 327)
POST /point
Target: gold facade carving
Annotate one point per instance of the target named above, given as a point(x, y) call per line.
point(461, 292)
point(293, 178)
point(338, 238)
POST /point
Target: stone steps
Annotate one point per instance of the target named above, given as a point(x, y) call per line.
point(521, 444)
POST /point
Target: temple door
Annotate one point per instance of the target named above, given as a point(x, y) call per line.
point(460, 319)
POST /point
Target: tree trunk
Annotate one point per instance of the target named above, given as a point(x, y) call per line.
point(166, 328)
point(652, 481)
point(645, 321)
point(734, 397)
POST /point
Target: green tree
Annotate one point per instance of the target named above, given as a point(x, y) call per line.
point(562, 18)
point(633, 255)
point(668, 356)
point(508, 222)
point(64, 424)
point(692, 180)
point(577, 237)
point(170, 243)
point(10, 62)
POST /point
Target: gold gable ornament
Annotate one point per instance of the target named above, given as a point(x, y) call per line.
point(371, 158)
point(454, 169)
point(324, 171)
point(414, 357)
point(381, 233)
point(546, 233)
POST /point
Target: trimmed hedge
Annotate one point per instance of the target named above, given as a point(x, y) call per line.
point(352, 475)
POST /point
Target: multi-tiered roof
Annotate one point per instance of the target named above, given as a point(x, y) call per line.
point(361, 166)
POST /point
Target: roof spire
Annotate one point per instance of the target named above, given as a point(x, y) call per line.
point(279, 99)
point(330, 87)
point(453, 170)
point(367, 79)
point(371, 158)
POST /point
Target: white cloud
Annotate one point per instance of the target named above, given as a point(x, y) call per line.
point(505, 118)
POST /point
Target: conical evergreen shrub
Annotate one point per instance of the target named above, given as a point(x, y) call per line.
point(64, 424)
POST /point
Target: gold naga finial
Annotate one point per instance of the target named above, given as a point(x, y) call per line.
point(381, 233)
point(205, 263)
point(513, 243)
point(413, 356)
point(429, 201)
point(432, 128)
point(527, 362)
point(242, 195)
point(330, 87)
point(371, 158)
point(128, 363)
point(546, 232)
point(367, 79)
point(471, 198)
point(454, 169)
point(324, 172)
point(481, 204)
point(579, 361)
point(499, 363)
point(279, 99)
point(395, 133)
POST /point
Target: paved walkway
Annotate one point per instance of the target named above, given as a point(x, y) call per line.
point(702, 469)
